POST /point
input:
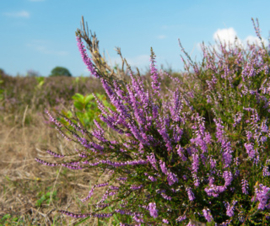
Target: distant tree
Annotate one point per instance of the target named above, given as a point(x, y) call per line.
point(60, 71)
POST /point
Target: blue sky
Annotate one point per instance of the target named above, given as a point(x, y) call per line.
point(40, 34)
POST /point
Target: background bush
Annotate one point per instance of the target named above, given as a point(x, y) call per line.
point(60, 71)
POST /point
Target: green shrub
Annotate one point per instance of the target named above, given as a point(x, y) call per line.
point(86, 110)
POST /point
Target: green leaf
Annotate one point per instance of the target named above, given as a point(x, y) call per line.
point(6, 216)
point(89, 98)
point(78, 97)
point(79, 105)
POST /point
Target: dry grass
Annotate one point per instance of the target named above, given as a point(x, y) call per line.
point(23, 180)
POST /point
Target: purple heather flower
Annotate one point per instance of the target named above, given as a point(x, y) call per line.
point(46, 163)
point(163, 167)
point(190, 224)
point(214, 190)
point(211, 180)
point(230, 209)
point(151, 158)
point(137, 219)
point(89, 195)
point(136, 187)
point(227, 156)
point(155, 83)
point(213, 163)
point(176, 106)
point(152, 209)
point(74, 215)
point(262, 194)
point(196, 180)
point(102, 215)
point(180, 152)
point(181, 218)
point(228, 177)
point(165, 196)
point(266, 171)
point(191, 196)
point(55, 154)
point(244, 186)
point(165, 221)
point(52, 119)
point(172, 178)
point(207, 215)
point(195, 163)
point(250, 150)
point(114, 188)
point(153, 179)
point(102, 185)
point(237, 118)
point(85, 58)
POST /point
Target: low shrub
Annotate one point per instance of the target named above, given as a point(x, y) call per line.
point(199, 153)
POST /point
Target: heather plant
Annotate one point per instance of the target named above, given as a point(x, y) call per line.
point(199, 153)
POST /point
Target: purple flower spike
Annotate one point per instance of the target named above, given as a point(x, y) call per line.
point(165, 221)
point(89, 195)
point(244, 186)
point(155, 83)
point(228, 177)
point(55, 154)
point(230, 209)
point(262, 194)
point(152, 209)
point(151, 158)
point(172, 178)
point(181, 218)
point(163, 167)
point(46, 163)
point(85, 58)
point(191, 196)
point(207, 215)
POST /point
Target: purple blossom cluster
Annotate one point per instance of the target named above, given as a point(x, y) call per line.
point(153, 209)
point(191, 196)
point(207, 215)
point(230, 208)
point(262, 194)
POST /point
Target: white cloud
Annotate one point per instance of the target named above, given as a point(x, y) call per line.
point(42, 47)
point(161, 36)
point(225, 35)
point(255, 40)
point(22, 13)
point(228, 35)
